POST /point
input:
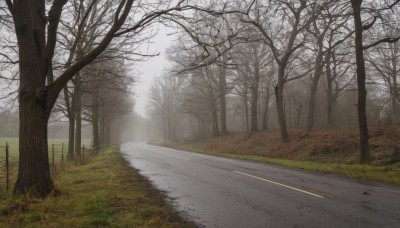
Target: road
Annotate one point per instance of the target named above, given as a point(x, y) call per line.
point(221, 192)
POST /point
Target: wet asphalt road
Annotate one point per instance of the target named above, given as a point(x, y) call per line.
point(221, 192)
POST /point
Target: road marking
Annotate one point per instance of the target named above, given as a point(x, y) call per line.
point(283, 185)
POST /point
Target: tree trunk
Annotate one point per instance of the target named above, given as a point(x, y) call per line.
point(361, 76)
point(101, 130)
point(78, 117)
point(34, 171)
point(329, 89)
point(36, 99)
point(71, 139)
point(266, 109)
point(164, 127)
point(395, 90)
point(222, 99)
point(254, 109)
point(107, 131)
point(95, 129)
point(169, 122)
point(215, 123)
point(298, 116)
point(254, 92)
point(280, 106)
point(95, 115)
point(394, 101)
point(78, 134)
point(70, 105)
point(246, 109)
point(313, 89)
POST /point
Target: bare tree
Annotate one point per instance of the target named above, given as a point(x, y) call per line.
point(329, 28)
point(284, 37)
point(384, 60)
point(36, 31)
point(340, 74)
point(251, 61)
point(361, 72)
point(163, 94)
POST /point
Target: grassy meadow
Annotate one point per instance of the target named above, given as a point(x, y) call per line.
point(105, 192)
point(59, 151)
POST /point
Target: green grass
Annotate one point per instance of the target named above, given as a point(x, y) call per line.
point(103, 193)
point(13, 144)
point(388, 174)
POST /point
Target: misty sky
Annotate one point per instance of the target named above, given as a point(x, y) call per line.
point(150, 69)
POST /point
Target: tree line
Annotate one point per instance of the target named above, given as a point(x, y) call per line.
point(282, 64)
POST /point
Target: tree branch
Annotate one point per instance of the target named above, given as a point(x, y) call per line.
point(385, 40)
point(55, 87)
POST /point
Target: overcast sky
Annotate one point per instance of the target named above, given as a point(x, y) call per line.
point(150, 69)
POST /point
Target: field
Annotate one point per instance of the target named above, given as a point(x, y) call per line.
point(60, 150)
point(105, 192)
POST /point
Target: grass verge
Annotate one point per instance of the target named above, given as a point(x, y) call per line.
point(389, 174)
point(103, 193)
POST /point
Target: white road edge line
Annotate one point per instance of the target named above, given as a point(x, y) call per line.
point(283, 185)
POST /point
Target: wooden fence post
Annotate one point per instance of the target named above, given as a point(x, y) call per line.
point(7, 168)
point(52, 155)
point(62, 152)
point(83, 153)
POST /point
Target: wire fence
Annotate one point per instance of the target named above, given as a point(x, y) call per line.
point(57, 156)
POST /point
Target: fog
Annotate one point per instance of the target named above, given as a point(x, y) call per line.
point(215, 74)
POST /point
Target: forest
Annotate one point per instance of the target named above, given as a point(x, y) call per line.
point(286, 65)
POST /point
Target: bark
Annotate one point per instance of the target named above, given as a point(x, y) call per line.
point(107, 131)
point(214, 115)
point(254, 94)
point(279, 104)
point(34, 170)
point(101, 128)
point(164, 127)
point(254, 110)
point(266, 109)
point(246, 109)
point(70, 104)
point(169, 122)
point(298, 116)
point(71, 138)
point(361, 77)
point(394, 101)
point(313, 89)
point(95, 119)
point(216, 132)
point(78, 134)
point(331, 93)
point(329, 79)
point(222, 99)
point(394, 89)
point(78, 117)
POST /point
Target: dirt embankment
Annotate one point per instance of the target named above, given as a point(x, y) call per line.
point(319, 145)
